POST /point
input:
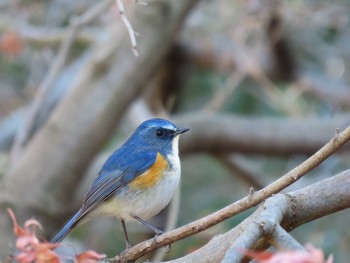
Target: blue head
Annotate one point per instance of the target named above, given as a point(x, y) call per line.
point(158, 134)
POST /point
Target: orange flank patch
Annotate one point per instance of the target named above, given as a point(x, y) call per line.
point(152, 176)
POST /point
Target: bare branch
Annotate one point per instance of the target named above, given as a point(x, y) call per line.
point(236, 168)
point(282, 240)
point(233, 133)
point(47, 37)
point(131, 31)
point(320, 199)
point(226, 90)
point(262, 223)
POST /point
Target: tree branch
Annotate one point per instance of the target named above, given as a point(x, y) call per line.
point(257, 231)
point(284, 241)
point(265, 135)
point(233, 164)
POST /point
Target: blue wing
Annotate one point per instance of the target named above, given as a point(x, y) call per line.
point(120, 168)
point(118, 171)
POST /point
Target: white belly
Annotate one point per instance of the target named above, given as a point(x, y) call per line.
point(144, 204)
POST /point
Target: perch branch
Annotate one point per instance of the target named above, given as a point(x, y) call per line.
point(299, 207)
point(129, 28)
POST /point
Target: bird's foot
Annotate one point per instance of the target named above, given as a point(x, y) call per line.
point(127, 247)
point(159, 232)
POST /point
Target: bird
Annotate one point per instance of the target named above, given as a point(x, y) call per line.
point(136, 182)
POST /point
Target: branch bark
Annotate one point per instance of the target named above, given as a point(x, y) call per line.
point(257, 231)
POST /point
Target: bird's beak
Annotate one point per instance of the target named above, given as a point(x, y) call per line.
point(179, 131)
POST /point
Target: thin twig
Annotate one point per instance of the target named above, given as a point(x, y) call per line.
point(141, 3)
point(57, 65)
point(132, 33)
point(234, 165)
point(225, 92)
point(241, 205)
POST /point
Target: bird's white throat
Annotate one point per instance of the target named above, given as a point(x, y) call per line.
point(175, 145)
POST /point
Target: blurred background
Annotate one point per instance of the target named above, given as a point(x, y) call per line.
point(262, 85)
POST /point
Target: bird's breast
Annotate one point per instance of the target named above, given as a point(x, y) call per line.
point(147, 194)
point(152, 176)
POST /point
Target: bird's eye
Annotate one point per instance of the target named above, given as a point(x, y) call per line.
point(160, 133)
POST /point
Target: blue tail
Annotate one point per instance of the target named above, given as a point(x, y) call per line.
point(67, 228)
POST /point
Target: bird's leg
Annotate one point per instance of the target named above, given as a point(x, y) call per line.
point(127, 243)
point(156, 231)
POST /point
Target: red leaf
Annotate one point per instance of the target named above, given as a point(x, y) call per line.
point(312, 255)
point(34, 251)
point(258, 255)
point(29, 225)
point(32, 223)
point(44, 253)
point(26, 242)
point(17, 230)
point(11, 43)
point(31, 249)
point(25, 257)
point(89, 256)
point(26, 238)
